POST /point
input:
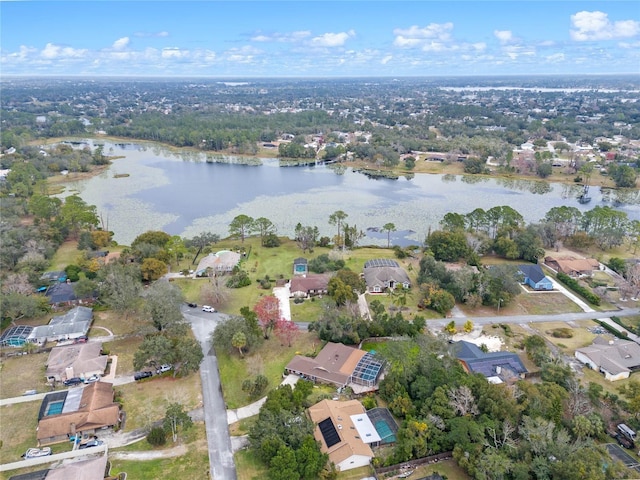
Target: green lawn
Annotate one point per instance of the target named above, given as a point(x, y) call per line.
point(269, 360)
point(194, 465)
point(17, 436)
point(67, 254)
point(248, 467)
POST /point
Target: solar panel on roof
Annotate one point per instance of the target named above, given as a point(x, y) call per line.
point(381, 262)
point(329, 432)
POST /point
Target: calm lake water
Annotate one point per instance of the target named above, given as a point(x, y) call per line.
point(183, 194)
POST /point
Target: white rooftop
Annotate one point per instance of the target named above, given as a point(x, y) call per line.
point(366, 430)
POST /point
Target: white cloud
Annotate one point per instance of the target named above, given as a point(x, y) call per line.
point(121, 43)
point(440, 31)
point(52, 51)
point(503, 35)
point(332, 39)
point(386, 59)
point(597, 26)
point(174, 52)
point(286, 37)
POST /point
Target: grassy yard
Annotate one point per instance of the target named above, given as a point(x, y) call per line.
point(194, 465)
point(269, 360)
point(67, 254)
point(446, 468)
point(581, 336)
point(26, 372)
point(249, 467)
point(118, 323)
point(146, 401)
point(124, 348)
point(17, 436)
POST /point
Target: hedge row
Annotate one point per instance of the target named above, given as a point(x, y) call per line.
point(611, 329)
point(584, 292)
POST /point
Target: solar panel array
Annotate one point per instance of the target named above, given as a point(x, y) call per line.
point(329, 432)
point(381, 262)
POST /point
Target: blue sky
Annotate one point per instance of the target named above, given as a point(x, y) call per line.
point(318, 38)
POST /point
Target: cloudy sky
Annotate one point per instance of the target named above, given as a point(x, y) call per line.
point(318, 38)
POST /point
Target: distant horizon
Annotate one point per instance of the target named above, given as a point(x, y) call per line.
point(318, 39)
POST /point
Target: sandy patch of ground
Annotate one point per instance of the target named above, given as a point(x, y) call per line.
point(493, 343)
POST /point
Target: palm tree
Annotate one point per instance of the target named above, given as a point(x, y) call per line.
point(388, 227)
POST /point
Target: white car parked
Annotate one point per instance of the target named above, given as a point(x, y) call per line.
point(207, 308)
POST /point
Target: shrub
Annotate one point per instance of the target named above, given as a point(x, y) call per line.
point(239, 279)
point(157, 437)
point(573, 284)
point(562, 333)
point(369, 402)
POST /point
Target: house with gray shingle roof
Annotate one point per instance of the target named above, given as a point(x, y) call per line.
point(616, 359)
point(497, 367)
point(383, 273)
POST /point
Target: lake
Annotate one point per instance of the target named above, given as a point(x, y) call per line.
point(183, 194)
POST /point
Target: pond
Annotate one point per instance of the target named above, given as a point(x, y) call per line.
point(185, 193)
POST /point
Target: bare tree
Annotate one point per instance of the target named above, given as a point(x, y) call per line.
point(461, 399)
point(215, 291)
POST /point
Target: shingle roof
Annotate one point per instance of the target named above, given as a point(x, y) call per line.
point(339, 415)
point(534, 272)
point(615, 357)
point(486, 363)
point(96, 410)
point(334, 364)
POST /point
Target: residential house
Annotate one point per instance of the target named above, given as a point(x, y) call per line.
point(77, 411)
point(309, 285)
point(220, 262)
point(497, 367)
point(533, 276)
point(74, 324)
point(339, 365)
point(616, 359)
point(383, 273)
point(345, 433)
point(574, 267)
point(78, 360)
point(90, 469)
point(61, 294)
point(15, 336)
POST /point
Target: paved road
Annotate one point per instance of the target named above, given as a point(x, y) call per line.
point(557, 317)
point(221, 465)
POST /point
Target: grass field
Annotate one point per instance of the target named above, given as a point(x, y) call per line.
point(269, 360)
point(146, 401)
point(67, 254)
point(194, 465)
point(249, 467)
point(581, 336)
point(17, 436)
point(124, 348)
point(22, 373)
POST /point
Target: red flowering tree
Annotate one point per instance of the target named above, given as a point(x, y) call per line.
point(268, 312)
point(286, 331)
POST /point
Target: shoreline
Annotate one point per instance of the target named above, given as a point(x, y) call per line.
point(422, 166)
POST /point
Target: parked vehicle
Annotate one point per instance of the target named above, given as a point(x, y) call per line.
point(164, 368)
point(30, 392)
point(92, 378)
point(142, 375)
point(207, 308)
point(92, 443)
point(193, 305)
point(71, 382)
point(37, 452)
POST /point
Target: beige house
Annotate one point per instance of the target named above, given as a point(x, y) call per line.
point(345, 433)
point(382, 274)
point(78, 360)
point(78, 411)
point(574, 267)
point(310, 285)
point(616, 359)
point(341, 366)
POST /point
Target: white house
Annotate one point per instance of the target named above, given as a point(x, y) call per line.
point(616, 359)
